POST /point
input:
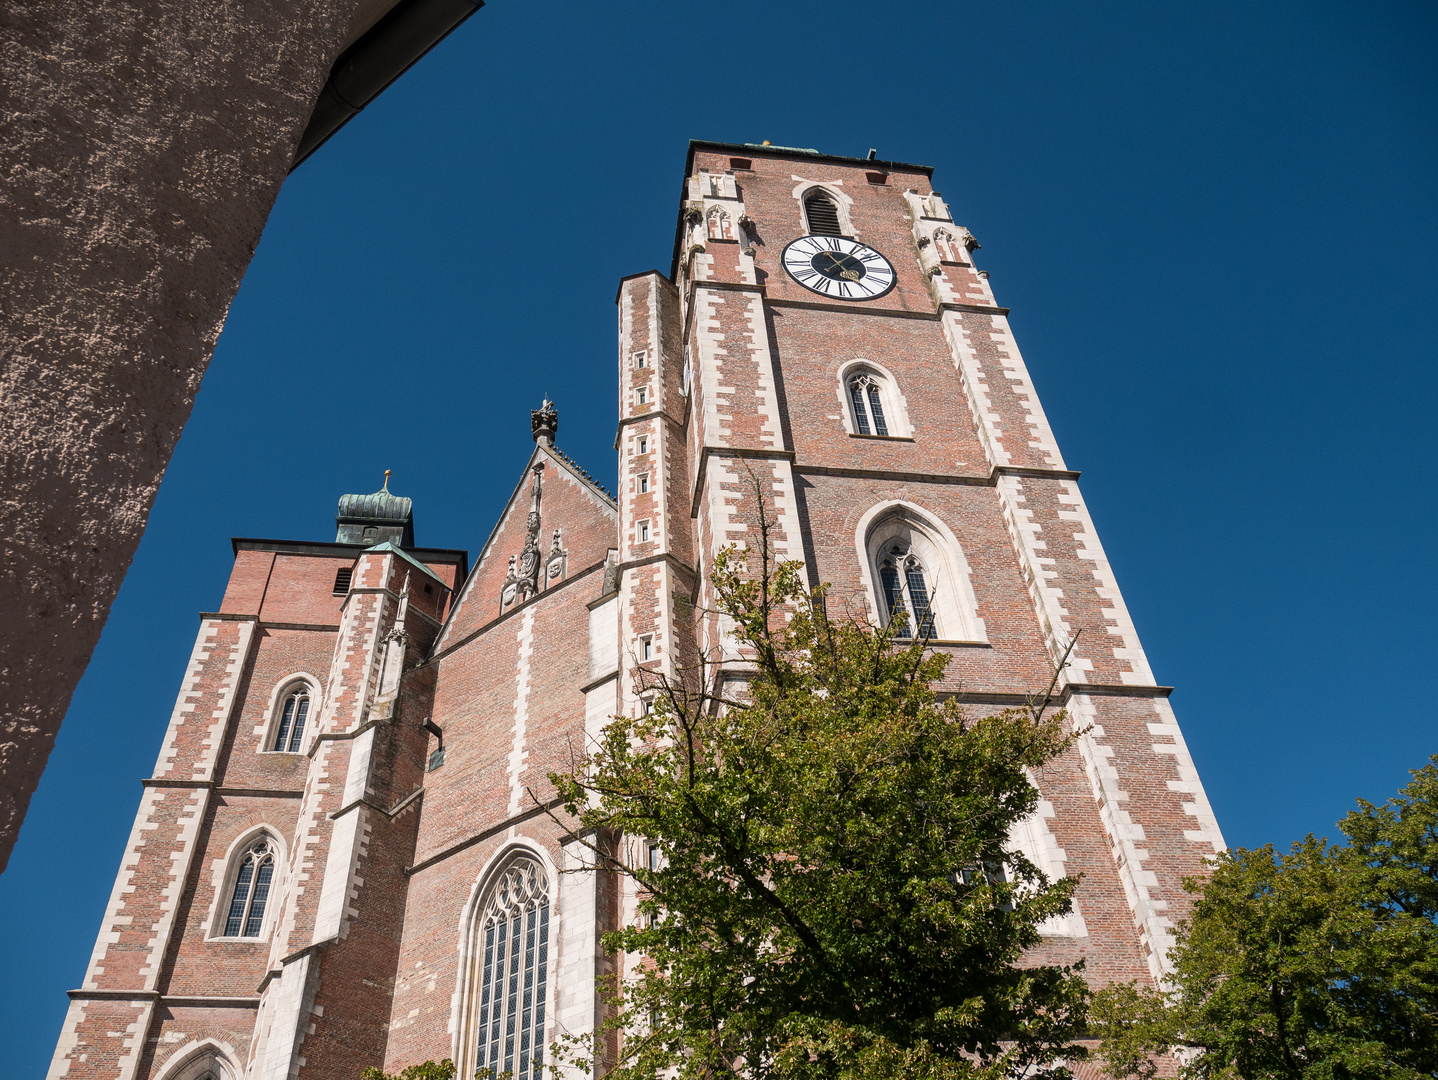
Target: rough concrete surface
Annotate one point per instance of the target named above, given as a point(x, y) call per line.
point(142, 147)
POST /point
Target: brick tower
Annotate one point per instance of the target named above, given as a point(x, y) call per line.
point(345, 855)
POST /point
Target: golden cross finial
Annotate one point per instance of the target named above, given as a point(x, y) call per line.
point(385, 489)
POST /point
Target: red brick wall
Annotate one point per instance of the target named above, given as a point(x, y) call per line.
point(585, 518)
point(505, 684)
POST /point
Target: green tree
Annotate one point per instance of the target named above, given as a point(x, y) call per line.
point(831, 894)
point(429, 1070)
point(1319, 964)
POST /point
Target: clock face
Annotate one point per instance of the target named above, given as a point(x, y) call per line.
point(838, 267)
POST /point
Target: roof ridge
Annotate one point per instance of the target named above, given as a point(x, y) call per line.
point(580, 469)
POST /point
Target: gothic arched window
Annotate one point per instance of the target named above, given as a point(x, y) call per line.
point(917, 570)
point(291, 726)
point(822, 215)
point(205, 1060)
point(868, 404)
point(246, 914)
point(513, 939)
point(907, 596)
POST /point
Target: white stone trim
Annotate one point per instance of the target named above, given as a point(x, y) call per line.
point(575, 968)
point(1155, 928)
point(1188, 783)
point(1033, 838)
point(189, 687)
point(204, 767)
point(519, 752)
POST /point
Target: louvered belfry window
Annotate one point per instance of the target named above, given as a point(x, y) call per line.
point(252, 890)
point(514, 930)
point(292, 721)
point(823, 215)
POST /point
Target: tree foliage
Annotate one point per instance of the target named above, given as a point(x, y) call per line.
point(834, 896)
point(429, 1070)
point(1320, 964)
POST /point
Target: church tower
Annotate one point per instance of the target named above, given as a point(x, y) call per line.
point(348, 853)
point(824, 331)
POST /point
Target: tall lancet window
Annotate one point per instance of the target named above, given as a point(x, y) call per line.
point(906, 592)
point(514, 932)
point(291, 728)
point(822, 214)
point(868, 406)
point(252, 890)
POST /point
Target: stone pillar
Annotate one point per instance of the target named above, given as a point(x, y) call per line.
point(145, 144)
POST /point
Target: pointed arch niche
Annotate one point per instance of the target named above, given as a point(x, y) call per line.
point(907, 553)
point(504, 1003)
point(205, 1059)
point(832, 193)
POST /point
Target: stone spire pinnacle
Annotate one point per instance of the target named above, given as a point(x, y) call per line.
point(544, 423)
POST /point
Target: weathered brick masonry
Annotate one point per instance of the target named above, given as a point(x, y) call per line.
point(897, 430)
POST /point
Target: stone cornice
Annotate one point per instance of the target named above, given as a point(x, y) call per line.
point(392, 812)
point(230, 616)
point(990, 479)
point(596, 683)
point(480, 837)
point(191, 1001)
point(1061, 695)
point(221, 790)
point(973, 309)
point(663, 556)
point(728, 451)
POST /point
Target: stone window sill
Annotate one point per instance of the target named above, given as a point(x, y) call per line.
point(882, 438)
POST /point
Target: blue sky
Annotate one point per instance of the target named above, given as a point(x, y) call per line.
point(1215, 225)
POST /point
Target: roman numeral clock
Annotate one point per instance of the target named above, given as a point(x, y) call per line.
point(838, 267)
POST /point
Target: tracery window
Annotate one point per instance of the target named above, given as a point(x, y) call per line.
point(822, 215)
point(906, 592)
point(868, 404)
point(291, 727)
point(514, 931)
point(252, 890)
point(718, 222)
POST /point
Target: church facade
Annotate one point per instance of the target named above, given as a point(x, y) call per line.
point(345, 855)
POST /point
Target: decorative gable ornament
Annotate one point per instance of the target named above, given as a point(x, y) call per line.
point(554, 564)
point(528, 571)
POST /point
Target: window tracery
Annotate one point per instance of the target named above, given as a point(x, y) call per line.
point(245, 916)
point(290, 729)
point(907, 596)
point(719, 224)
point(948, 247)
point(866, 398)
point(513, 938)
